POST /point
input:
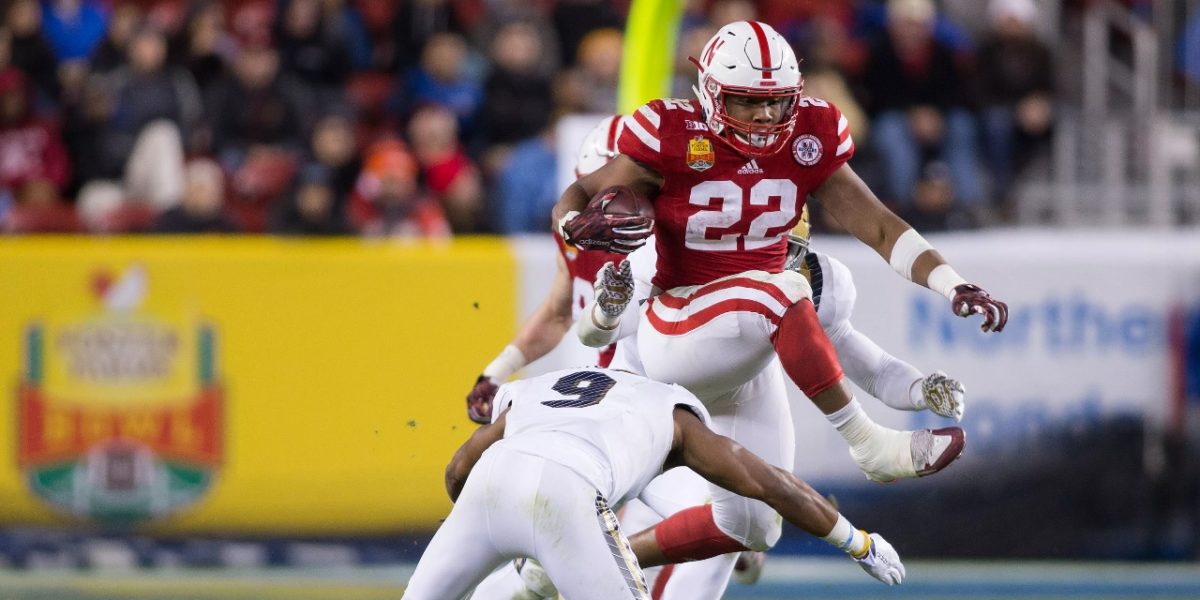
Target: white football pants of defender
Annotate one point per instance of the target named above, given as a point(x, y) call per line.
point(515, 505)
point(759, 413)
point(667, 494)
point(715, 341)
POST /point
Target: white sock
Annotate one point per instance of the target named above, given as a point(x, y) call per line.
point(882, 453)
point(839, 417)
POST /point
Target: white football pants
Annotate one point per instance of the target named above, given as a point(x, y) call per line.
point(518, 505)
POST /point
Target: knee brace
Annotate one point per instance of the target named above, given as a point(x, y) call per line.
point(805, 352)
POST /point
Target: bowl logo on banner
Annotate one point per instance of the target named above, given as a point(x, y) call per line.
point(120, 409)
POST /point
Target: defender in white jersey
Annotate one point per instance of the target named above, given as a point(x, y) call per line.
point(568, 446)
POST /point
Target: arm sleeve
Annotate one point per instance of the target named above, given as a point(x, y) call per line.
point(871, 368)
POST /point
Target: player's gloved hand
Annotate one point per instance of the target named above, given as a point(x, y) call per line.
point(970, 299)
point(592, 229)
point(944, 396)
point(614, 289)
point(479, 401)
point(882, 562)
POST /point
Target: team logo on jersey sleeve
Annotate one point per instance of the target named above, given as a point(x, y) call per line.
point(807, 150)
point(700, 155)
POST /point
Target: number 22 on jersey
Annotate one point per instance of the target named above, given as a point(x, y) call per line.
point(727, 202)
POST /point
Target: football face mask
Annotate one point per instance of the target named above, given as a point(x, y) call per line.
point(748, 85)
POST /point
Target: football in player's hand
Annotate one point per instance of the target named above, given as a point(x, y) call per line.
point(622, 201)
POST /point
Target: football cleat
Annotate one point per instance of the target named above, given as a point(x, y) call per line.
point(891, 455)
point(749, 567)
point(934, 450)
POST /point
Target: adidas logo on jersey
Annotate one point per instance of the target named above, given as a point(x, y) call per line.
point(750, 168)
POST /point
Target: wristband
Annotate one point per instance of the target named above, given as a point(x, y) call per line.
point(943, 279)
point(510, 360)
point(908, 247)
point(597, 331)
point(846, 538)
point(562, 225)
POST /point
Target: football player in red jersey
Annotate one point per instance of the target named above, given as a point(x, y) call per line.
point(728, 179)
point(571, 290)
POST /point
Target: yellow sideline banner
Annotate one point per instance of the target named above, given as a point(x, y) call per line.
point(241, 385)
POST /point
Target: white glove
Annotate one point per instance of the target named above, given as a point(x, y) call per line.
point(614, 289)
point(944, 396)
point(882, 562)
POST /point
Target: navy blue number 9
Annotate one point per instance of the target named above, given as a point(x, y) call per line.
point(590, 386)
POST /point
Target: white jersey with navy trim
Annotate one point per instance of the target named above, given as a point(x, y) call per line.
point(612, 428)
point(835, 300)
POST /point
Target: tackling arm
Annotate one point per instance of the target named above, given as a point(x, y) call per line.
point(729, 465)
point(550, 322)
point(538, 336)
point(852, 203)
point(468, 454)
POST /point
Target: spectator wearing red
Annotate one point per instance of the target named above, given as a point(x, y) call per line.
point(448, 172)
point(31, 148)
point(389, 202)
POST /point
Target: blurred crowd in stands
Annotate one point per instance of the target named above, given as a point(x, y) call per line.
point(427, 118)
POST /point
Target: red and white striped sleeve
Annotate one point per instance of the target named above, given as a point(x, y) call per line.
point(845, 148)
point(640, 138)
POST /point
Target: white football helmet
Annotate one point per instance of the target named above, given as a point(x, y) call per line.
point(600, 145)
point(751, 59)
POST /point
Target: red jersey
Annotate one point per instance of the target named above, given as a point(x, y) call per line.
point(720, 213)
point(582, 266)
